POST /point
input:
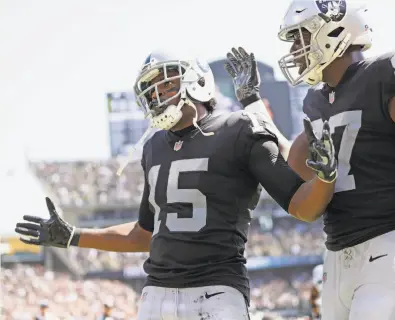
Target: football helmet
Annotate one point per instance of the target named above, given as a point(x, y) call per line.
point(163, 80)
point(194, 83)
point(333, 26)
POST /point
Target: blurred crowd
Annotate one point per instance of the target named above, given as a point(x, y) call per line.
point(284, 291)
point(26, 287)
point(89, 183)
point(287, 237)
point(92, 260)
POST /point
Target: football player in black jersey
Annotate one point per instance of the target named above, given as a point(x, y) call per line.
point(202, 174)
point(356, 96)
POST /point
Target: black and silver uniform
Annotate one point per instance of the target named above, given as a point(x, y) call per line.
point(198, 198)
point(363, 205)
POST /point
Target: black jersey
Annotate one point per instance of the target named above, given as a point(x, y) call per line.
point(199, 194)
point(363, 132)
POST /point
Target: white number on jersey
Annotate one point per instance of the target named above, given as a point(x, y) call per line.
point(174, 194)
point(351, 120)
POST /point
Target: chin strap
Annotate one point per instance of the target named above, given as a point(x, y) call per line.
point(139, 144)
point(195, 119)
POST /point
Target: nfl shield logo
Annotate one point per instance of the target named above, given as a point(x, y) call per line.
point(178, 145)
point(331, 97)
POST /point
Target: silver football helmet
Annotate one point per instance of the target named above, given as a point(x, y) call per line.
point(196, 84)
point(164, 80)
point(333, 26)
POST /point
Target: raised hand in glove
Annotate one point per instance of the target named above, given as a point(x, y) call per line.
point(53, 232)
point(321, 152)
point(243, 69)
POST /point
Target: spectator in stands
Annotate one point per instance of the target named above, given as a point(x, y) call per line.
point(42, 315)
point(107, 310)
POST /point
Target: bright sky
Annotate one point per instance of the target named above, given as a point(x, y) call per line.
point(58, 58)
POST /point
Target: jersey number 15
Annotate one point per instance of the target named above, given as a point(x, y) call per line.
point(174, 195)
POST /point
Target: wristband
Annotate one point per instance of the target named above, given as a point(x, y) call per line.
point(75, 237)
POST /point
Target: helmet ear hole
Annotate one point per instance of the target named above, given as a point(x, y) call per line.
point(335, 33)
point(201, 82)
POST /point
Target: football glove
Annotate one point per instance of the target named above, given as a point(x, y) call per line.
point(243, 69)
point(53, 232)
point(321, 152)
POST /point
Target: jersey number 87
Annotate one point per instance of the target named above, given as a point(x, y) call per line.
point(351, 121)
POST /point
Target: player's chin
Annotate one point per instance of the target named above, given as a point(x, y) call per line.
point(184, 122)
point(178, 126)
point(302, 68)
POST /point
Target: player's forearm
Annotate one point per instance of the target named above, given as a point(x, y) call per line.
point(311, 199)
point(298, 154)
point(128, 237)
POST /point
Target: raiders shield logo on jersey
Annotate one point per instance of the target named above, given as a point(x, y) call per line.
point(178, 145)
point(335, 9)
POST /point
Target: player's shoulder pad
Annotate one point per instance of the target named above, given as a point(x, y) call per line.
point(383, 58)
point(252, 123)
point(379, 69)
point(381, 65)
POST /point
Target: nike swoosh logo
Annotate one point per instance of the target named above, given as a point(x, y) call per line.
point(208, 296)
point(300, 11)
point(378, 257)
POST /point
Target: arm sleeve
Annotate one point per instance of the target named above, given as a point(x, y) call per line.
point(271, 170)
point(146, 216)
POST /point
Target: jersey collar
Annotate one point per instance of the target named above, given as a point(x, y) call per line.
point(347, 76)
point(186, 132)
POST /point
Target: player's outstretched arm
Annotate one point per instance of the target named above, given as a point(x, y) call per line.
point(242, 67)
point(56, 232)
point(127, 237)
point(304, 200)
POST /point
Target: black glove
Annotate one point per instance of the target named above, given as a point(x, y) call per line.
point(243, 69)
point(53, 232)
point(321, 152)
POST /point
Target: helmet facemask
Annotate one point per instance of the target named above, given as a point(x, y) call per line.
point(157, 89)
point(303, 63)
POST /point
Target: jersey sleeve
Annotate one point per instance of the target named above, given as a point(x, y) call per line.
point(387, 74)
point(266, 165)
point(271, 170)
point(146, 216)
